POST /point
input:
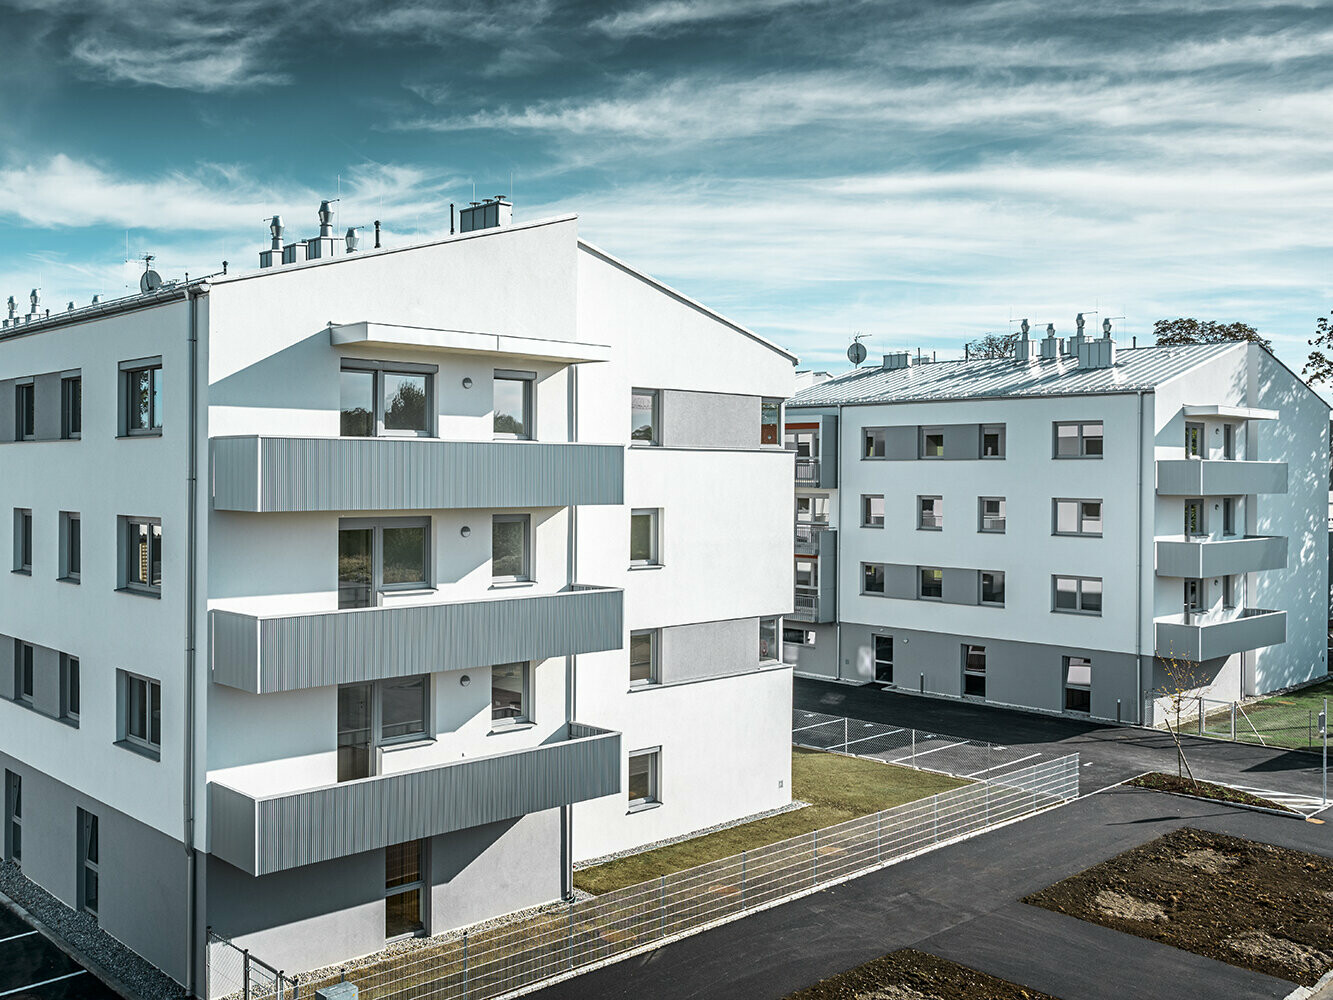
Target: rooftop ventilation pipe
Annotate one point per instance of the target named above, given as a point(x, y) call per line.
point(490, 213)
point(1051, 345)
point(898, 359)
point(325, 245)
point(1098, 352)
point(352, 239)
point(377, 234)
point(273, 256)
point(35, 298)
point(1077, 340)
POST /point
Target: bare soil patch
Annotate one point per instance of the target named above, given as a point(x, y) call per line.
point(1160, 782)
point(908, 974)
point(1248, 904)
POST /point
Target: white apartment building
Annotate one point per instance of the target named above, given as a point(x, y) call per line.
point(414, 577)
point(1045, 532)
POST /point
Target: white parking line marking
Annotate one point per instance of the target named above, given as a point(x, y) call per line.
point(922, 753)
point(875, 737)
point(48, 982)
point(15, 937)
point(1007, 763)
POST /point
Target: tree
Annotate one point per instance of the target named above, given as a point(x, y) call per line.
point(1183, 678)
point(992, 345)
point(1180, 332)
point(1318, 368)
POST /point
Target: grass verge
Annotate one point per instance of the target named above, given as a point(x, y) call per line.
point(838, 788)
point(1159, 782)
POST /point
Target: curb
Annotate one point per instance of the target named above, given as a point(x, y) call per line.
point(1284, 813)
point(1303, 992)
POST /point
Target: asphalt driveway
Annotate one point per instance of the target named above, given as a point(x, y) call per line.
point(32, 968)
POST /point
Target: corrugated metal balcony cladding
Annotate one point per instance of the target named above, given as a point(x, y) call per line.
point(275, 474)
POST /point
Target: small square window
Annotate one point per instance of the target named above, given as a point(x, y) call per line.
point(644, 778)
point(644, 537)
point(1078, 439)
point(873, 442)
point(71, 546)
point(71, 407)
point(931, 585)
point(872, 511)
point(643, 657)
point(1077, 594)
point(509, 693)
point(992, 514)
point(872, 578)
point(512, 404)
point(1077, 517)
point(992, 588)
point(932, 442)
point(992, 441)
point(511, 547)
point(379, 399)
point(930, 513)
point(22, 540)
point(645, 422)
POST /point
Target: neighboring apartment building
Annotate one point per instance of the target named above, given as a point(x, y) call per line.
point(413, 576)
point(1042, 531)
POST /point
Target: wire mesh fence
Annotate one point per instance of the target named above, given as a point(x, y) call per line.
point(234, 973)
point(1286, 723)
point(488, 962)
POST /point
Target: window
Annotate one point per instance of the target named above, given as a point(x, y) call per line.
point(1194, 596)
point(140, 704)
point(1228, 516)
point(812, 509)
point(992, 513)
point(71, 407)
point(22, 540)
point(643, 778)
point(1078, 684)
point(512, 404)
point(141, 554)
point(511, 548)
point(1228, 441)
point(71, 546)
point(992, 588)
point(1078, 440)
point(404, 889)
point(89, 862)
point(644, 540)
point(992, 441)
point(69, 687)
point(381, 399)
point(932, 442)
point(382, 713)
point(1078, 594)
point(872, 578)
point(141, 396)
point(1195, 443)
point(768, 640)
point(807, 574)
point(25, 413)
point(13, 817)
point(930, 584)
point(1078, 517)
point(1194, 519)
point(872, 511)
point(643, 657)
point(793, 635)
point(381, 556)
point(24, 681)
point(930, 513)
point(770, 420)
point(645, 419)
point(872, 442)
point(974, 671)
point(1229, 591)
point(509, 693)
point(883, 658)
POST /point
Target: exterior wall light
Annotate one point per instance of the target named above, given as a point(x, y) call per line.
point(467, 382)
point(465, 531)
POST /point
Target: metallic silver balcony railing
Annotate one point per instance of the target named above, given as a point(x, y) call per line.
point(264, 653)
point(808, 537)
point(260, 834)
point(1219, 477)
point(1198, 636)
point(807, 471)
point(1200, 557)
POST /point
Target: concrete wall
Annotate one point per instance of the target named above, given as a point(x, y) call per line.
point(709, 649)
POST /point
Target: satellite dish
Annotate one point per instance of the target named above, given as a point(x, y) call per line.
point(856, 353)
point(149, 281)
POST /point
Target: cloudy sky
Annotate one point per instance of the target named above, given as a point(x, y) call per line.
point(922, 172)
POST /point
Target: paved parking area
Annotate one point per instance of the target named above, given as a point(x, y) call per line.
point(32, 968)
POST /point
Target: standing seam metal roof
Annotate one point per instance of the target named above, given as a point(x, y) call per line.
point(1136, 369)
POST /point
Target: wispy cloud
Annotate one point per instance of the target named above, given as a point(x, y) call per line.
point(665, 16)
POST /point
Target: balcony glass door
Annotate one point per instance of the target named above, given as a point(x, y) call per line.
point(1194, 441)
point(354, 731)
point(1194, 518)
point(884, 659)
point(356, 553)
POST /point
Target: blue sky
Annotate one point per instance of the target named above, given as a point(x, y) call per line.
point(921, 172)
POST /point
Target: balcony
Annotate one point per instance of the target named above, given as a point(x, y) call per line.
point(817, 435)
point(267, 653)
point(1208, 477)
point(264, 833)
point(807, 471)
point(262, 474)
point(1199, 637)
point(811, 538)
point(1196, 558)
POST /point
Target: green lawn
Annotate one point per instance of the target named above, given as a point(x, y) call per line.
point(838, 788)
point(1287, 720)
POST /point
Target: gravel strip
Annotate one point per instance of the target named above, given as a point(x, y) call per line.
point(80, 932)
point(616, 856)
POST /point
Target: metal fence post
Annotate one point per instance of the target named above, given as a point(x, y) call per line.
point(879, 836)
point(464, 963)
point(1200, 715)
point(570, 932)
point(1233, 720)
point(661, 906)
point(245, 974)
point(845, 742)
point(1325, 791)
point(914, 748)
point(935, 804)
point(742, 880)
point(281, 983)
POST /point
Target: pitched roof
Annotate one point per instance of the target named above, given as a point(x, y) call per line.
point(1136, 369)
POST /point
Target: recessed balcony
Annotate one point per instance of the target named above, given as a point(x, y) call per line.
point(1199, 637)
point(1219, 477)
point(260, 832)
point(1199, 557)
point(269, 652)
point(810, 539)
point(263, 474)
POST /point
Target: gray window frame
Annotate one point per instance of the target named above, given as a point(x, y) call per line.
point(25, 410)
point(1196, 435)
point(1202, 527)
point(924, 432)
point(420, 887)
point(1078, 609)
point(13, 837)
point(1078, 517)
point(655, 440)
point(378, 369)
point(1082, 439)
point(921, 594)
point(877, 662)
point(1066, 665)
point(1229, 441)
point(527, 575)
point(654, 514)
point(814, 572)
point(23, 540)
point(524, 718)
point(883, 583)
point(999, 430)
point(528, 382)
point(773, 404)
point(654, 636)
point(981, 587)
point(128, 371)
point(969, 671)
point(776, 624)
point(874, 439)
point(126, 532)
point(71, 691)
point(1228, 517)
point(71, 408)
point(71, 542)
point(376, 525)
point(867, 518)
point(125, 737)
point(654, 796)
point(922, 516)
point(89, 860)
point(982, 516)
point(25, 672)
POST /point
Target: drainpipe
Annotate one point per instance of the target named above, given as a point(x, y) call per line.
point(193, 295)
point(1138, 570)
point(572, 661)
point(837, 597)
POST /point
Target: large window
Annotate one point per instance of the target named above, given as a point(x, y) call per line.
point(140, 704)
point(645, 543)
point(812, 508)
point(1195, 522)
point(511, 548)
point(381, 556)
point(930, 586)
point(644, 778)
point(873, 442)
point(769, 650)
point(1078, 684)
point(22, 540)
point(1078, 439)
point(25, 412)
point(872, 510)
point(512, 404)
point(932, 442)
point(992, 441)
point(1194, 599)
point(404, 889)
point(382, 399)
point(645, 418)
point(141, 395)
point(510, 683)
point(992, 588)
point(1228, 515)
point(14, 817)
point(141, 554)
point(991, 512)
point(377, 714)
point(883, 658)
point(71, 546)
point(872, 579)
point(1077, 594)
point(89, 873)
point(1077, 517)
point(71, 407)
point(24, 679)
point(930, 513)
point(770, 416)
point(643, 657)
point(974, 670)
point(1196, 445)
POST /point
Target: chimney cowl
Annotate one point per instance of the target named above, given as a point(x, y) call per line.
point(325, 218)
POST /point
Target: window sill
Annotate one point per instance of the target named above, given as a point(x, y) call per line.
point(872, 526)
point(512, 584)
point(136, 592)
point(642, 807)
point(155, 433)
point(406, 592)
point(634, 568)
point(644, 444)
point(22, 572)
point(926, 527)
point(646, 686)
point(415, 743)
point(134, 748)
point(510, 727)
point(1071, 611)
point(68, 579)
